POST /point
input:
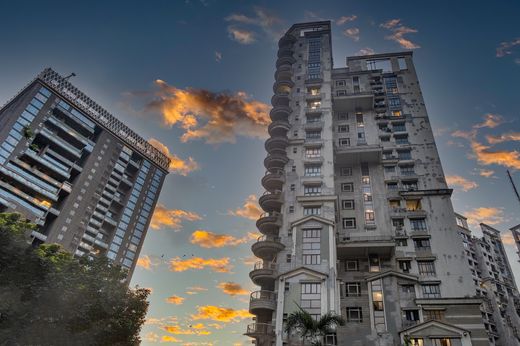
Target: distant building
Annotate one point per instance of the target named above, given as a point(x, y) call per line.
point(88, 181)
point(358, 217)
point(516, 236)
point(494, 282)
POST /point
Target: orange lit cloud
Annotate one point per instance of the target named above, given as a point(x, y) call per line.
point(490, 121)
point(345, 19)
point(219, 265)
point(233, 289)
point(398, 31)
point(147, 262)
point(486, 173)
point(177, 165)
point(214, 117)
point(177, 300)
point(242, 36)
point(171, 218)
point(220, 314)
point(169, 338)
point(250, 260)
point(207, 239)
point(464, 184)
point(489, 215)
point(151, 337)
point(506, 137)
point(352, 33)
point(178, 330)
point(195, 290)
point(485, 156)
point(250, 210)
point(366, 51)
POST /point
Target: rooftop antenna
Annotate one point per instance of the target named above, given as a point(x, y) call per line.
point(70, 76)
point(514, 186)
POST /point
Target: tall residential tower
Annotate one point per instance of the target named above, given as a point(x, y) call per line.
point(88, 181)
point(358, 218)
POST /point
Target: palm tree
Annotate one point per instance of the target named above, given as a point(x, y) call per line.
point(310, 329)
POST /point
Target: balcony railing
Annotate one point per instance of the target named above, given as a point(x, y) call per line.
point(260, 329)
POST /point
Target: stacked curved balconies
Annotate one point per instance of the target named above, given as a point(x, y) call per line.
point(263, 302)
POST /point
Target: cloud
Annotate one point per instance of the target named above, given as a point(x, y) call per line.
point(486, 173)
point(195, 290)
point(250, 260)
point(506, 137)
point(233, 289)
point(485, 156)
point(352, 33)
point(220, 314)
point(208, 239)
point(263, 19)
point(219, 265)
point(505, 48)
point(365, 51)
point(214, 117)
point(169, 338)
point(171, 218)
point(147, 262)
point(151, 337)
point(250, 210)
point(487, 215)
point(463, 183)
point(177, 165)
point(218, 56)
point(345, 19)
point(490, 121)
point(178, 330)
point(398, 31)
point(177, 300)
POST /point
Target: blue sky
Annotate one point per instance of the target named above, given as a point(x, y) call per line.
point(210, 53)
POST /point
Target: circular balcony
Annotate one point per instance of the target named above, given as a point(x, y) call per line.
point(285, 61)
point(286, 40)
point(266, 248)
point(273, 179)
point(285, 52)
point(283, 86)
point(276, 161)
point(271, 201)
point(284, 73)
point(276, 144)
point(280, 113)
point(264, 273)
point(269, 223)
point(259, 330)
point(279, 128)
point(280, 99)
point(262, 302)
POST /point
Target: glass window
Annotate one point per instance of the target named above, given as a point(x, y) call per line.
point(422, 244)
point(312, 190)
point(431, 291)
point(426, 268)
point(347, 204)
point(351, 266)
point(354, 315)
point(349, 223)
point(346, 171)
point(312, 152)
point(311, 210)
point(344, 142)
point(312, 170)
point(418, 224)
point(352, 289)
point(347, 187)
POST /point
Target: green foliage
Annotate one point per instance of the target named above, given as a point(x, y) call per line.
point(48, 297)
point(35, 147)
point(27, 132)
point(310, 329)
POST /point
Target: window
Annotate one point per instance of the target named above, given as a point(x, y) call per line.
point(291, 209)
point(404, 155)
point(313, 91)
point(311, 259)
point(433, 315)
point(312, 190)
point(399, 127)
point(404, 266)
point(416, 342)
point(401, 140)
point(313, 134)
point(431, 291)
point(402, 63)
point(313, 118)
point(369, 217)
point(349, 223)
point(344, 142)
point(410, 185)
point(353, 289)
point(408, 289)
point(351, 266)
point(374, 264)
point(293, 187)
point(346, 171)
point(288, 258)
point(413, 204)
point(341, 93)
point(312, 170)
point(401, 242)
point(340, 83)
point(411, 315)
point(354, 315)
point(407, 170)
point(310, 295)
point(418, 224)
point(394, 102)
point(426, 268)
point(394, 203)
point(389, 169)
point(422, 244)
point(295, 150)
point(347, 204)
point(312, 152)
point(343, 128)
point(314, 104)
point(379, 64)
point(441, 342)
point(342, 116)
point(391, 186)
point(377, 300)
point(311, 210)
point(398, 223)
point(347, 187)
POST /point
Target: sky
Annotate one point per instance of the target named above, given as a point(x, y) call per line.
point(195, 78)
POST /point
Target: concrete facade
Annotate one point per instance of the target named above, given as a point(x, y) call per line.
point(494, 282)
point(88, 181)
point(358, 217)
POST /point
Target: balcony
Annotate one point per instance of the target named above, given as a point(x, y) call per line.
point(33, 155)
point(53, 137)
point(279, 128)
point(70, 131)
point(419, 233)
point(269, 223)
point(354, 102)
point(280, 99)
point(271, 201)
point(285, 52)
point(313, 110)
point(287, 40)
point(284, 73)
point(258, 330)
point(276, 143)
point(280, 113)
point(264, 273)
point(273, 179)
point(366, 153)
point(262, 302)
point(282, 86)
point(266, 248)
point(424, 252)
point(276, 161)
point(355, 246)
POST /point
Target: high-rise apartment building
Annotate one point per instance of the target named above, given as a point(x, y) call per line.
point(494, 282)
point(358, 218)
point(515, 231)
point(88, 181)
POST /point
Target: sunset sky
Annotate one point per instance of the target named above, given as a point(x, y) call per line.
point(195, 78)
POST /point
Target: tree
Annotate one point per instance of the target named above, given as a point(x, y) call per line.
point(49, 297)
point(310, 329)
